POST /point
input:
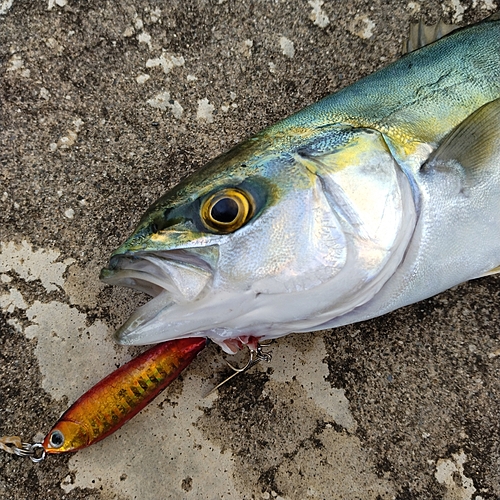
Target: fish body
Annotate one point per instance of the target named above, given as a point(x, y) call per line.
point(378, 196)
point(121, 395)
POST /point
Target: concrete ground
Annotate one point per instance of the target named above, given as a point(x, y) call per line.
point(103, 107)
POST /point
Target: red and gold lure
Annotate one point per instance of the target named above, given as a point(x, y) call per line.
point(114, 400)
point(121, 395)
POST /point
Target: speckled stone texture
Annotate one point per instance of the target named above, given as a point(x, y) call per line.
point(103, 107)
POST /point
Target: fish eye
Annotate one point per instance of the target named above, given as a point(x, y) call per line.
point(56, 439)
point(227, 210)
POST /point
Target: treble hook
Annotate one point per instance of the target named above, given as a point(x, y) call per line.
point(256, 355)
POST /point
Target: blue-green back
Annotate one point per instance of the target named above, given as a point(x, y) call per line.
point(423, 95)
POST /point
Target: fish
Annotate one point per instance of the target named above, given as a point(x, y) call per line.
point(118, 397)
point(380, 195)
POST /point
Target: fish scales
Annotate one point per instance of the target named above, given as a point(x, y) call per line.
point(382, 194)
point(421, 96)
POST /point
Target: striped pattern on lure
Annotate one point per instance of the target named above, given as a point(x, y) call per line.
point(121, 395)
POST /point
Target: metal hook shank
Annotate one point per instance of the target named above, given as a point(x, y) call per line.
point(256, 355)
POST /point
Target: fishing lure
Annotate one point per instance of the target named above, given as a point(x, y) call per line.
point(113, 401)
point(374, 198)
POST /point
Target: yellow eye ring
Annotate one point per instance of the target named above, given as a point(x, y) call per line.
point(227, 210)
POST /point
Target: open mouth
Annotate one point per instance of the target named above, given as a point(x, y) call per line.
point(172, 278)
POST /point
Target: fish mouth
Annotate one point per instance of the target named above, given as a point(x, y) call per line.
point(174, 278)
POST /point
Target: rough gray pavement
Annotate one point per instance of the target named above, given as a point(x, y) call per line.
point(103, 107)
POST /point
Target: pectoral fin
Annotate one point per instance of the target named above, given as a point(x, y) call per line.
point(474, 144)
point(471, 153)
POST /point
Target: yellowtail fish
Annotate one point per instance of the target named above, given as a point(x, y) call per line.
point(378, 196)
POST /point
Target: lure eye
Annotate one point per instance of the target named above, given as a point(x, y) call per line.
point(56, 439)
point(227, 210)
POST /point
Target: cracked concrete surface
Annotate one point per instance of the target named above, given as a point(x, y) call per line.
point(103, 107)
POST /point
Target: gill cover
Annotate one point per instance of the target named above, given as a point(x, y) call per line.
point(295, 237)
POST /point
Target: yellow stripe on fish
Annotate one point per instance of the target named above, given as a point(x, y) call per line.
point(380, 195)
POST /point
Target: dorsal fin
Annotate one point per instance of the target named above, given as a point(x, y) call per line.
point(494, 17)
point(421, 34)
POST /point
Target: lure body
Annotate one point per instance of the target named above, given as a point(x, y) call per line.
point(121, 395)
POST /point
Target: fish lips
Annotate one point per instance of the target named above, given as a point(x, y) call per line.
point(175, 277)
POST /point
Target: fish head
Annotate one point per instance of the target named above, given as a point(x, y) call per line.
point(65, 436)
point(249, 245)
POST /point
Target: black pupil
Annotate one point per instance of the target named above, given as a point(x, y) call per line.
point(56, 439)
point(225, 210)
